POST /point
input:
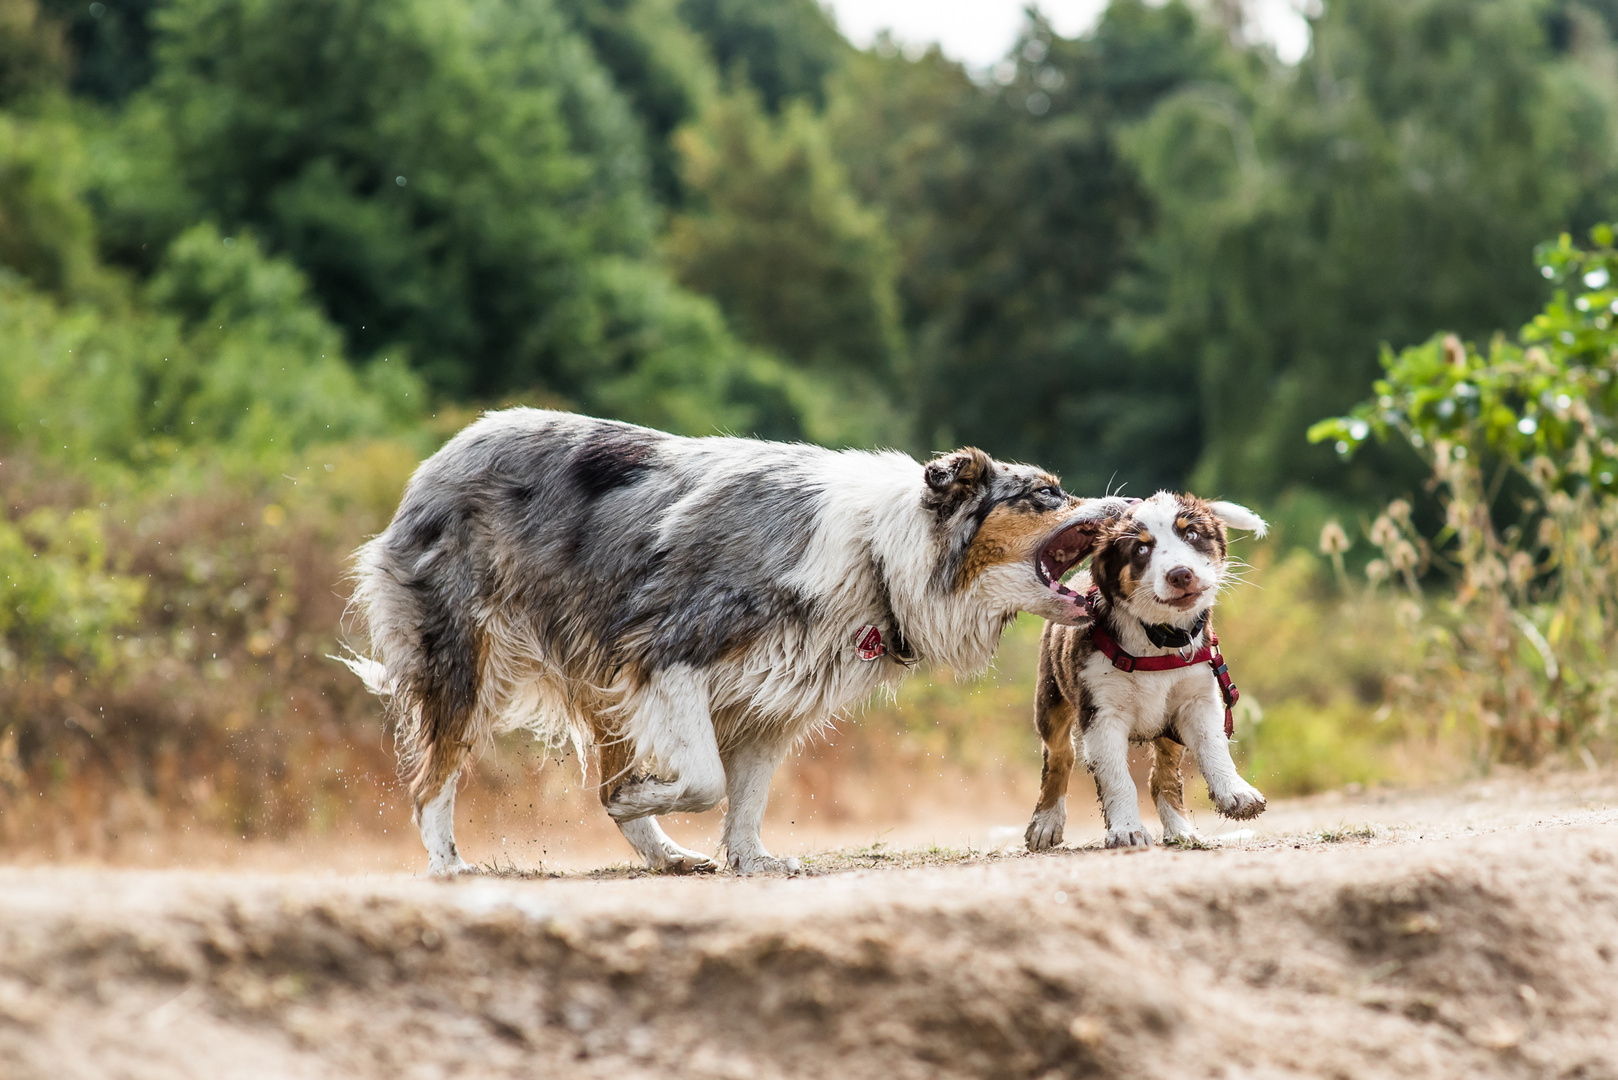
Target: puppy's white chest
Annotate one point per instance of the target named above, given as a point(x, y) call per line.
point(1145, 702)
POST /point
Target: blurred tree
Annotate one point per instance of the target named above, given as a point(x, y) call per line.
point(46, 232)
point(1397, 182)
point(1020, 223)
point(784, 48)
point(33, 57)
point(111, 43)
point(776, 235)
point(658, 63)
point(443, 172)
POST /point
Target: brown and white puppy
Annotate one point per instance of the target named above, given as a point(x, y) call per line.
point(1158, 567)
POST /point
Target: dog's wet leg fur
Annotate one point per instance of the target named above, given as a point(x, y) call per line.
point(436, 820)
point(671, 725)
point(1168, 792)
point(1106, 752)
point(1202, 726)
point(615, 759)
point(748, 769)
point(1054, 717)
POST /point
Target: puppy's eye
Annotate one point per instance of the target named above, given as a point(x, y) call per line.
point(1050, 492)
point(1191, 536)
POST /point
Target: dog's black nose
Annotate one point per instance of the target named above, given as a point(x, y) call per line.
point(1181, 577)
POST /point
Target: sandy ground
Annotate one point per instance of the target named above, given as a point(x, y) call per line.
point(1469, 931)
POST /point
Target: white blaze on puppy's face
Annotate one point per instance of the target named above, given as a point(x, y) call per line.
point(1174, 548)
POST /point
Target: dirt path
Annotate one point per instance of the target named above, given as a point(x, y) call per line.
point(1470, 932)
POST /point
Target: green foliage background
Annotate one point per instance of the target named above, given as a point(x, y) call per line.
point(1150, 255)
point(259, 256)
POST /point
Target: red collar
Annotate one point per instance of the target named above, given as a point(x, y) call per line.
point(1209, 654)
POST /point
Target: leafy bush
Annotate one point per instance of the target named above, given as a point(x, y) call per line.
point(1520, 442)
point(46, 233)
point(61, 601)
point(226, 354)
point(163, 652)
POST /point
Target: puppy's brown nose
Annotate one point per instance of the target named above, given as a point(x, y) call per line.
point(1181, 577)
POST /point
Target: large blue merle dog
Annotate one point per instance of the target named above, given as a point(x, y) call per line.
point(688, 608)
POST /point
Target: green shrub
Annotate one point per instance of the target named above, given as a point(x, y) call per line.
point(227, 355)
point(1520, 440)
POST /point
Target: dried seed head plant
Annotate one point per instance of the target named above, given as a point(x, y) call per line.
point(1519, 440)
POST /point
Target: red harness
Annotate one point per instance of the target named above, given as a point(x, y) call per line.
point(1209, 654)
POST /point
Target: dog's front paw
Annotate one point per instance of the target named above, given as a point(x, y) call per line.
point(1135, 837)
point(1045, 829)
point(1241, 802)
point(673, 859)
point(749, 863)
point(450, 868)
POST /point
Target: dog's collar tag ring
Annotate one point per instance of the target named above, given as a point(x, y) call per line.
point(868, 643)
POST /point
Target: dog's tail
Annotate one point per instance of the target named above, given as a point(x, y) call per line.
point(371, 673)
point(416, 600)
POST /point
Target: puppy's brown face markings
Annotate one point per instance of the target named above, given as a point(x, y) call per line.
point(1197, 526)
point(1136, 551)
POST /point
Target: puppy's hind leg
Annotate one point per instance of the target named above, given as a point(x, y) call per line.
point(672, 726)
point(748, 771)
point(1168, 792)
point(616, 758)
point(1053, 716)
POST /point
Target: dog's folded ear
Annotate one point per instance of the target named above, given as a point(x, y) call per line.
point(1238, 517)
point(954, 478)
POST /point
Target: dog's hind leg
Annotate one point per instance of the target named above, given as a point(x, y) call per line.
point(441, 752)
point(671, 725)
point(1168, 792)
point(616, 759)
point(436, 820)
point(748, 771)
point(1053, 716)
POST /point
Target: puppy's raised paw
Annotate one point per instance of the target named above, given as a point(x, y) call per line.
point(1241, 803)
point(1136, 837)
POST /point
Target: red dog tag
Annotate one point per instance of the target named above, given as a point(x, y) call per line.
point(868, 643)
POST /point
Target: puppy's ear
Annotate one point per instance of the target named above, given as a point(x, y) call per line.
point(1098, 512)
point(955, 478)
point(1238, 517)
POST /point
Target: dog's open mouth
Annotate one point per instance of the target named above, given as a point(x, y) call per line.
point(1062, 553)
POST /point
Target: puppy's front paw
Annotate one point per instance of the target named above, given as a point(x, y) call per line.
point(1135, 837)
point(1045, 829)
point(1241, 802)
